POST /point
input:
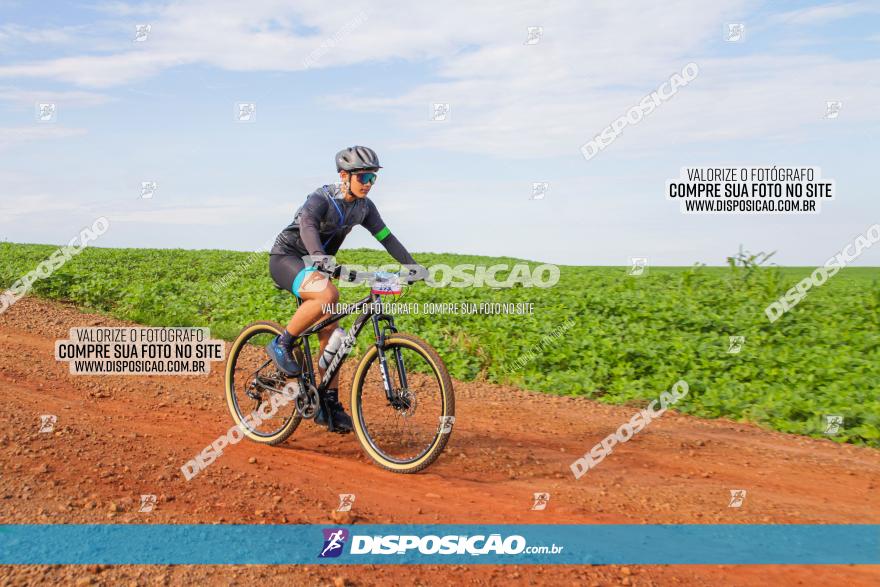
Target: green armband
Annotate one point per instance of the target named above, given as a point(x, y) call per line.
point(382, 234)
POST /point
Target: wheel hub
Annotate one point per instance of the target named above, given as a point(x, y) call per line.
point(404, 402)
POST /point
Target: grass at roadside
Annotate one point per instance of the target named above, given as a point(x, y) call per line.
point(629, 337)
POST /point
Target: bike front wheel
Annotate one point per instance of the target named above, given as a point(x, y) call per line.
point(407, 431)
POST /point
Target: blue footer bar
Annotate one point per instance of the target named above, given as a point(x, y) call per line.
point(440, 544)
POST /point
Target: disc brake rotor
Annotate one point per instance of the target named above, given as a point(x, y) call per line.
point(254, 393)
point(404, 402)
point(263, 384)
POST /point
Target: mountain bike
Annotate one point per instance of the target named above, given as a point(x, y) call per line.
point(402, 401)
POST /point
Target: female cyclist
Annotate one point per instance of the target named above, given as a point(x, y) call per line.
point(317, 231)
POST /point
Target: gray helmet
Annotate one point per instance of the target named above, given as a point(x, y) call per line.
point(354, 158)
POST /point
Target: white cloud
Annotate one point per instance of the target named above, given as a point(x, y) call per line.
point(13, 206)
point(63, 98)
point(827, 13)
point(209, 211)
point(96, 71)
point(275, 35)
point(12, 33)
point(124, 9)
point(533, 101)
point(509, 99)
point(14, 135)
point(163, 209)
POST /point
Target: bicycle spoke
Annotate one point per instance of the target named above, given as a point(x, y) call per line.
point(255, 379)
point(405, 428)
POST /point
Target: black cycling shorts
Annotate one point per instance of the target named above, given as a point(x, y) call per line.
point(288, 272)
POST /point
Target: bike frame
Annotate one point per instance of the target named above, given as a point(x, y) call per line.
point(371, 309)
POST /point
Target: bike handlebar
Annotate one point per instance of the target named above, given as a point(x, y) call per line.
point(351, 275)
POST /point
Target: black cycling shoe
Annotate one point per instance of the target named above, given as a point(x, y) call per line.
point(341, 421)
point(282, 358)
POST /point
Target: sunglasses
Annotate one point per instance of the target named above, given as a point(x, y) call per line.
point(368, 178)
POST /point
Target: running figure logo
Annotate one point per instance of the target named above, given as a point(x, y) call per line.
point(539, 189)
point(245, 111)
point(446, 423)
point(141, 32)
point(736, 344)
point(737, 497)
point(535, 34)
point(439, 112)
point(735, 32)
point(832, 108)
point(47, 422)
point(334, 540)
point(148, 188)
point(47, 113)
point(833, 423)
point(639, 266)
point(346, 500)
point(541, 500)
point(148, 502)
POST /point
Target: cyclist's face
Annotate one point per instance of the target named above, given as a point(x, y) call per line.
point(358, 189)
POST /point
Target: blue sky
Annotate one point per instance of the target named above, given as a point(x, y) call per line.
point(324, 77)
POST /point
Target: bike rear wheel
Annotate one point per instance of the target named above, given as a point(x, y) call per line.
point(255, 389)
point(407, 433)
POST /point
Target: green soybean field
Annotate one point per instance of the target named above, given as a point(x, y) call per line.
point(599, 332)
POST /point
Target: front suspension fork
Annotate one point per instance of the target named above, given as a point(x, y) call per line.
point(383, 362)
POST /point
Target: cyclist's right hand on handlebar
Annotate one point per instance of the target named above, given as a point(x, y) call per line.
point(328, 266)
point(415, 273)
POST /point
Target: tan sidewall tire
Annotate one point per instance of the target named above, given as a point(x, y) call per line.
point(291, 425)
point(428, 352)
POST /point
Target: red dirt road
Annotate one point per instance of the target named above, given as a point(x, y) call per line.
point(118, 437)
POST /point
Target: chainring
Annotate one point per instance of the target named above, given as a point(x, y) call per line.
point(307, 402)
